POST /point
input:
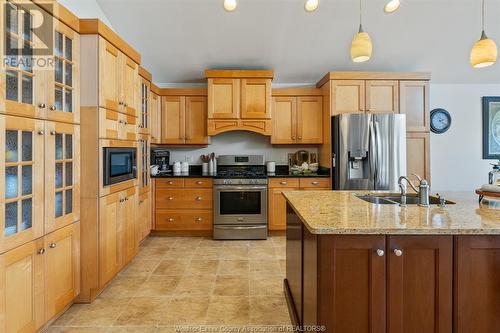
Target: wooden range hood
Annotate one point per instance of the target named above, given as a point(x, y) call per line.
point(239, 100)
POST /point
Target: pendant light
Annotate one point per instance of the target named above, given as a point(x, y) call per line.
point(230, 5)
point(485, 52)
point(392, 6)
point(361, 47)
point(311, 5)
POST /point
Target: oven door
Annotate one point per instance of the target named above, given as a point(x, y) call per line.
point(240, 205)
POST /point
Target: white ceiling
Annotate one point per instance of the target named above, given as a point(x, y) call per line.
point(179, 39)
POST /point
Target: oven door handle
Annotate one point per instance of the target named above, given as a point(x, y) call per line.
point(239, 228)
point(240, 188)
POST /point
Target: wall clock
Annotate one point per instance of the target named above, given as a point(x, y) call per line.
point(440, 121)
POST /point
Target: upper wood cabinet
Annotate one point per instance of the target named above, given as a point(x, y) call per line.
point(348, 96)
point(239, 100)
point(145, 107)
point(116, 125)
point(22, 180)
point(382, 96)
point(414, 103)
point(118, 75)
point(184, 120)
point(39, 92)
point(155, 123)
point(418, 154)
point(62, 249)
point(255, 98)
point(297, 120)
point(223, 98)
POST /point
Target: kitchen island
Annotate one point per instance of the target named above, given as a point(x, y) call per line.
point(354, 266)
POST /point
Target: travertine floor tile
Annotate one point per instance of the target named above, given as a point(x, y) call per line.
point(265, 267)
point(262, 252)
point(235, 253)
point(143, 311)
point(233, 267)
point(196, 285)
point(77, 330)
point(123, 286)
point(207, 266)
point(102, 312)
point(228, 311)
point(146, 252)
point(268, 311)
point(208, 253)
point(185, 310)
point(159, 286)
point(171, 267)
point(231, 285)
point(266, 285)
point(140, 267)
point(180, 253)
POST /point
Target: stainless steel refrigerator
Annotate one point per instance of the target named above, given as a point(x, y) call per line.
point(369, 151)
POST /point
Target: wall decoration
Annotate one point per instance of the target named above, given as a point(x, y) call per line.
point(440, 121)
point(491, 128)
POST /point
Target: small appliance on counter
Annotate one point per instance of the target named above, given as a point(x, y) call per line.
point(161, 158)
point(494, 175)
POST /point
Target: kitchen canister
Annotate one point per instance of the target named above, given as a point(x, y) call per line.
point(177, 167)
point(204, 168)
point(271, 167)
point(184, 167)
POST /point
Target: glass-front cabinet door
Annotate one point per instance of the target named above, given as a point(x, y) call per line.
point(62, 175)
point(143, 163)
point(63, 81)
point(21, 180)
point(145, 107)
point(22, 83)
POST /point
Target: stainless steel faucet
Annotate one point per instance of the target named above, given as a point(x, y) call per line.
point(422, 190)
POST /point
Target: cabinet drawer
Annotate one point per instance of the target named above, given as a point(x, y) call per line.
point(198, 182)
point(169, 182)
point(283, 182)
point(315, 182)
point(183, 199)
point(183, 220)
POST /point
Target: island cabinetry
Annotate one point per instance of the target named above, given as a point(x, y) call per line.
point(183, 205)
point(477, 284)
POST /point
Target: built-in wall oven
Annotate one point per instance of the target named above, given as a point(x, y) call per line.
point(119, 164)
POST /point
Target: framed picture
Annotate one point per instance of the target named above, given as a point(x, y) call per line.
point(491, 128)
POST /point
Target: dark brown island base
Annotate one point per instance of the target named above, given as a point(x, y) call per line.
point(355, 267)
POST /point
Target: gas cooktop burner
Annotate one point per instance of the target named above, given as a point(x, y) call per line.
point(230, 174)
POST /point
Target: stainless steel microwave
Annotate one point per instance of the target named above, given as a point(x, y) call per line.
point(120, 165)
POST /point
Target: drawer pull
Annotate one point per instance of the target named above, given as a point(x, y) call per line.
point(53, 245)
point(53, 108)
point(170, 198)
point(170, 219)
point(380, 252)
point(315, 183)
point(170, 182)
point(398, 252)
point(283, 183)
point(199, 182)
point(199, 219)
point(41, 132)
point(41, 251)
point(53, 132)
point(120, 103)
point(41, 106)
point(293, 138)
point(199, 198)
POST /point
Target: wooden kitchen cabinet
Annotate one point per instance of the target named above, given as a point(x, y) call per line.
point(414, 103)
point(418, 154)
point(477, 284)
point(348, 96)
point(184, 198)
point(143, 162)
point(62, 175)
point(185, 120)
point(256, 98)
point(382, 96)
point(144, 215)
point(114, 125)
point(118, 75)
point(223, 98)
point(155, 122)
point(284, 120)
point(62, 250)
point(145, 107)
point(22, 288)
point(21, 180)
point(128, 215)
point(420, 281)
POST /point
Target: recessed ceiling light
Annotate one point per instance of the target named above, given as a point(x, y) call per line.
point(230, 5)
point(311, 5)
point(392, 6)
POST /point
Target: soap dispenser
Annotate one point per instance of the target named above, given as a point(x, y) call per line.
point(494, 175)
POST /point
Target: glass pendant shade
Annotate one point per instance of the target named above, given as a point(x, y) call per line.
point(311, 5)
point(484, 53)
point(230, 5)
point(392, 6)
point(361, 47)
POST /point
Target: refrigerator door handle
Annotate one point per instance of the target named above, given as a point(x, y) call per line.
point(373, 152)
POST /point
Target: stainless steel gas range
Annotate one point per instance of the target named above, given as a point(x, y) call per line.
point(240, 197)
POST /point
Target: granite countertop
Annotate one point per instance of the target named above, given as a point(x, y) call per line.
point(183, 175)
point(287, 175)
point(341, 212)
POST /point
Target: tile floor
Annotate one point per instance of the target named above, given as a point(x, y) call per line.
point(182, 284)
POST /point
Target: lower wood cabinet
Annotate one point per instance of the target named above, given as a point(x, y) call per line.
point(183, 204)
point(39, 279)
point(277, 202)
point(144, 215)
point(117, 233)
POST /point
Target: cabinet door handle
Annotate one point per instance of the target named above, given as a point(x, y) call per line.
point(315, 183)
point(293, 138)
point(199, 182)
point(41, 132)
point(125, 123)
point(170, 219)
point(41, 105)
point(199, 198)
point(53, 245)
point(170, 198)
point(199, 219)
point(398, 252)
point(140, 202)
point(53, 132)
point(125, 104)
point(300, 138)
point(380, 252)
point(41, 251)
point(283, 183)
point(121, 103)
point(120, 121)
point(170, 182)
point(53, 108)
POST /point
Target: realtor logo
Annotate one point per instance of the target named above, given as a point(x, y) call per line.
point(29, 35)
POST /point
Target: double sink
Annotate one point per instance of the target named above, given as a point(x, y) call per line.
point(395, 199)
